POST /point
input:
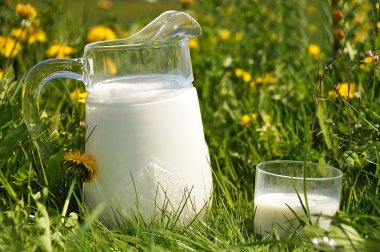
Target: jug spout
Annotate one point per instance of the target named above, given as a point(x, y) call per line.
point(169, 26)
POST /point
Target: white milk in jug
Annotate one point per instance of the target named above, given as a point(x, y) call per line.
point(149, 147)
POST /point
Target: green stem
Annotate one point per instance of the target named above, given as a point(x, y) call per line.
point(67, 201)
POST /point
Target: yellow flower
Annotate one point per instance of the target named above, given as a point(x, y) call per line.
point(238, 36)
point(104, 4)
point(78, 96)
point(36, 34)
point(59, 51)
point(368, 59)
point(1, 73)
point(345, 90)
point(26, 11)
point(378, 25)
point(33, 34)
point(193, 43)
point(239, 72)
point(80, 164)
point(377, 5)
point(225, 34)
point(247, 118)
point(254, 115)
point(99, 33)
point(314, 50)
point(266, 78)
point(244, 74)
point(9, 47)
point(247, 76)
point(19, 33)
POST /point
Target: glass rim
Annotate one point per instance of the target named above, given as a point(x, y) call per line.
point(311, 164)
point(127, 44)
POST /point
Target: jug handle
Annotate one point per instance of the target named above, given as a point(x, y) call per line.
point(34, 81)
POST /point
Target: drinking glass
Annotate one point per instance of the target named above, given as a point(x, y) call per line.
point(288, 192)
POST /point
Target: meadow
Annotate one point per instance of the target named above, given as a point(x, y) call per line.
point(290, 80)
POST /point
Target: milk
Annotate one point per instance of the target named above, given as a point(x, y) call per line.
point(150, 149)
point(271, 210)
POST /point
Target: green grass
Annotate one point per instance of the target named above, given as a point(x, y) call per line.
point(297, 120)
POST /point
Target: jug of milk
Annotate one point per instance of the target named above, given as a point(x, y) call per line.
point(144, 124)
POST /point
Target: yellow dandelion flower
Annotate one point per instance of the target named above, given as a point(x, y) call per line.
point(246, 120)
point(269, 78)
point(26, 11)
point(247, 76)
point(259, 79)
point(314, 50)
point(19, 33)
point(378, 25)
point(377, 5)
point(238, 36)
point(36, 34)
point(368, 59)
point(59, 51)
point(266, 78)
point(99, 33)
point(345, 90)
point(80, 164)
point(254, 115)
point(225, 34)
point(78, 96)
point(239, 72)
point(32, 34)
point(193, 43)
point(9, 48)
point(104, 4)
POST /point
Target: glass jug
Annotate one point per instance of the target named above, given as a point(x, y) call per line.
point(144, 124)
